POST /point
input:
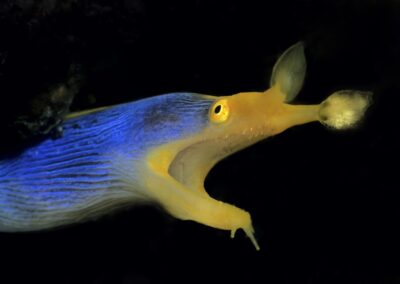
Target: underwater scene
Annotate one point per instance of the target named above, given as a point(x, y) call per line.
point(199, 141)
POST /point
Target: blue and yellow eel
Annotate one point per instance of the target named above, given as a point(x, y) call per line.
point(158, 149)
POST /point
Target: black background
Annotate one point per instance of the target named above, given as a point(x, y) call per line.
point(325, 204)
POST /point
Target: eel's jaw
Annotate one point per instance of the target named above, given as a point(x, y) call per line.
point(175, 181)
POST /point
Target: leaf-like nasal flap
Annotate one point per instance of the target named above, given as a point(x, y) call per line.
point(289, 71)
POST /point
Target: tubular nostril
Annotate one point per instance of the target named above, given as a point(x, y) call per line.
point(323, 117)
point(344, 109)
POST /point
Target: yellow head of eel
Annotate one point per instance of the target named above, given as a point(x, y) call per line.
point(175, 171)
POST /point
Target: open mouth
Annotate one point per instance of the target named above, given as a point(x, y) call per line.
point(191, 164)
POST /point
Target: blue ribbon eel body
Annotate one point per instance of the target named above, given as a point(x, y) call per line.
point(158, 149)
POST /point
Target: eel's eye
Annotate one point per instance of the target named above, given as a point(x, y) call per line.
point(219, 111)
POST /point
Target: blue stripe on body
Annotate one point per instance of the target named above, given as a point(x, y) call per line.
point(60, 181)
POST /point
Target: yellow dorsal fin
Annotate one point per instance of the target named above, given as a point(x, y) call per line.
point(84, 112)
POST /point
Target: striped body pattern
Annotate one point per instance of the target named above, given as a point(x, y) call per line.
point(92, 168)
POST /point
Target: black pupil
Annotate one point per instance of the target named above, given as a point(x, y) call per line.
point(217, 109)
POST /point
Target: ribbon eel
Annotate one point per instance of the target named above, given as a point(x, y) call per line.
point(158, 149)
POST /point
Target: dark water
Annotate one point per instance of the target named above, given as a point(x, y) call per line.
point(325, 204)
